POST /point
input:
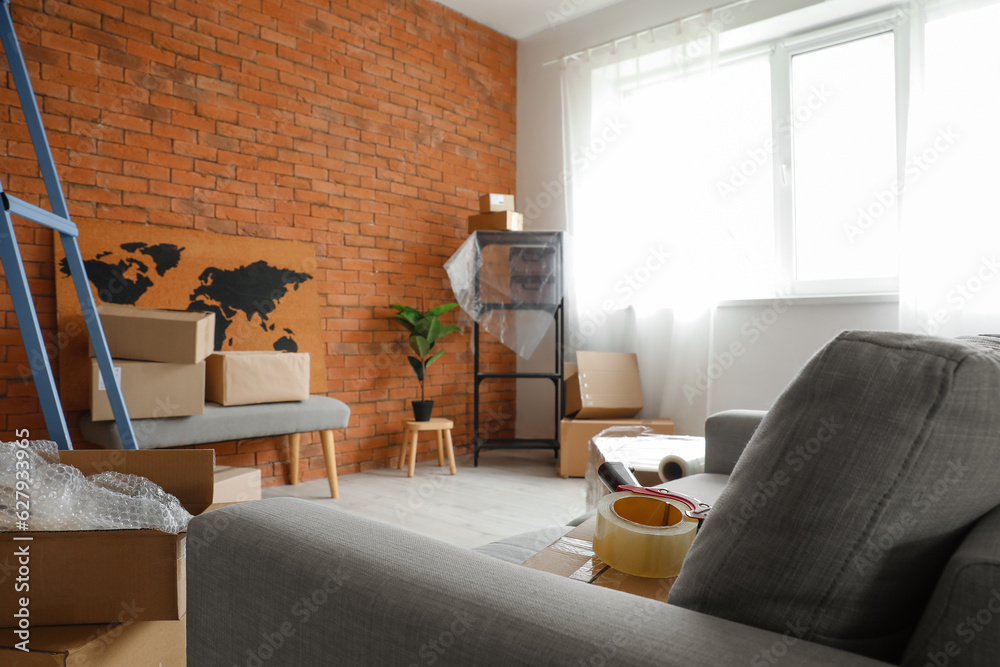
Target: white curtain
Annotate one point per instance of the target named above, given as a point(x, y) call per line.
point(950, 218)
point(670, 203)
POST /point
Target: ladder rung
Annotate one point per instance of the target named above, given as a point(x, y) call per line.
point(41, 216)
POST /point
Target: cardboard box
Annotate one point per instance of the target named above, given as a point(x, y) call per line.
point(152, 334)
point(603, 385)
point(108, 576)
point(502, 221)
point(236, 485)
point(129, 644)
point(575, 435)
point(242, 378)
point(496, 202)
point(572, 556)
point(151, 389)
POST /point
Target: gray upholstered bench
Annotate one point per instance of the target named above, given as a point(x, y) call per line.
point(237, 422)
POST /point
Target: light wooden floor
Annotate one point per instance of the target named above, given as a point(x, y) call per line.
point(511, 492)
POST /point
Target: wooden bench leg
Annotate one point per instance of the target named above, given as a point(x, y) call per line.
point(330, 456)
point(293, 456)
point(440, 449)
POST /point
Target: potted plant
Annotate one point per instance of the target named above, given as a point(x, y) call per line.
point(425, 329)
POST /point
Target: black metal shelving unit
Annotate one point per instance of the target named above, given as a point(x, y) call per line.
point(521, 242)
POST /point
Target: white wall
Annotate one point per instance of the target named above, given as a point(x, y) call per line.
point(769, 363)
point(773, 340)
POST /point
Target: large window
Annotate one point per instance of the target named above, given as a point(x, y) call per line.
point(840, 226)
point(791, 165)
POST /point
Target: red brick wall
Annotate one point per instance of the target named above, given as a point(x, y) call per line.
point(365, 127)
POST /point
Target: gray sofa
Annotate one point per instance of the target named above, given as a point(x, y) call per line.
point(285, 582)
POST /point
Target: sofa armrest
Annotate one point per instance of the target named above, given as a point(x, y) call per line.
point(286, 582)
point(956, 627)
point(726, 435)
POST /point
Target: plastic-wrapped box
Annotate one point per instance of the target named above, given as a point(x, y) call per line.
point(532, 290)
point(538, 261)
point(511, 283)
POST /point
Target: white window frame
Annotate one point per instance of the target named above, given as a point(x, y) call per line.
point(783, 176)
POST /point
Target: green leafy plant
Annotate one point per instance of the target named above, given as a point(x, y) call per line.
point(425, 329)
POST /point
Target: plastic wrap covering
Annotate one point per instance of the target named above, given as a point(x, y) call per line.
point(511, 283)
point(61, 498)
point(639, 447)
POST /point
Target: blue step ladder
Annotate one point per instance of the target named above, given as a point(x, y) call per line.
point(13, 266)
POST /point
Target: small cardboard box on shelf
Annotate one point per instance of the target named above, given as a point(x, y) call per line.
point(500, 221)
point(494, 202)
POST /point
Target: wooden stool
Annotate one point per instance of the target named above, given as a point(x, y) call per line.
point(410, 431)
point(329, 455)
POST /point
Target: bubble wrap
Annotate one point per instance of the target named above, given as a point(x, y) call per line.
point(61, 498)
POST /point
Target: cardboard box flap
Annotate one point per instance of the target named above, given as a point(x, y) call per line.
point(605, 385)
point(186, 473)
point(571, 388)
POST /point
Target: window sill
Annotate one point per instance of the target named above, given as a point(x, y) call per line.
point(816, 300)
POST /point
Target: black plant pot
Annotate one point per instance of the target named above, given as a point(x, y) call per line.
point(422, 410)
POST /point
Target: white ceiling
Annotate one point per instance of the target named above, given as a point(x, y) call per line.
point(521, 18)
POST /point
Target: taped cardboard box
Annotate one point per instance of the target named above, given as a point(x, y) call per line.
point(575, 436)
point(572, 556)
point(109, 576)
point(150, 389)
point(128, 644)
point(603, 385)
point(154, 334)
point(496, 202)
point(243, 378)
point(500, 221)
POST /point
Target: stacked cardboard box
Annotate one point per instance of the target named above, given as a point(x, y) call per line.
point(165, 363)
point(602, 390)
point(159, 360)
point(496, 213)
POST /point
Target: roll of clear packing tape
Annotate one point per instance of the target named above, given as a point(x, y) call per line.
point(642, 535)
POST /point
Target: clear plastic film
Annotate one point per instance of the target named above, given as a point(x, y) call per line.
point(511, 283)
point(667, 457)
point(61, 498)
